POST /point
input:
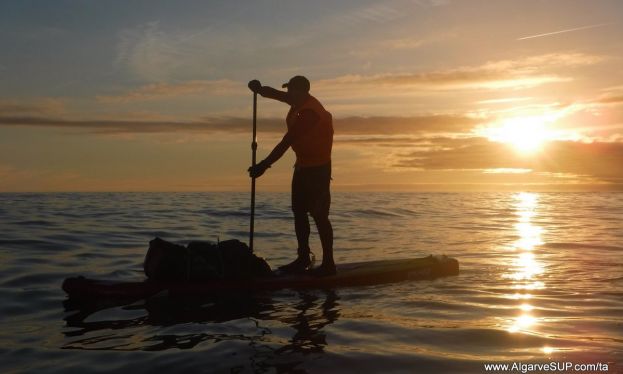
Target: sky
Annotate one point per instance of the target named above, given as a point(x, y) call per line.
point(439, 95)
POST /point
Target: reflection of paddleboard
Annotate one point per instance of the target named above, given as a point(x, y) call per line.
point(348, 275)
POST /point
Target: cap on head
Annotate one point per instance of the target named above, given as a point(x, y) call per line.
point(297, 83)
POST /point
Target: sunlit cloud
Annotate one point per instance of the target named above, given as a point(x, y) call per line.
point(618, 100)
point(506, 171)
point(545, 61)
point(597, 159)
point(612, 89)
point(548, 350)
point(528, 72)
point(504, 100)
point(398, 84)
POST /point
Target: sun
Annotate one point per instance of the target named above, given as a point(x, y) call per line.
point(525, 134)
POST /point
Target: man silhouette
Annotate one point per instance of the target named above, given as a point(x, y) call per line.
point(310, 134)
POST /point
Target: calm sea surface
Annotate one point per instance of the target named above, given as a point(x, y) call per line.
point(541, 281)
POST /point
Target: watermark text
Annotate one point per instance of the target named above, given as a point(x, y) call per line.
point(554, 367)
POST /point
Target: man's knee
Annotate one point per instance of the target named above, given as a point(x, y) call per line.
point(300, 215)
point(320, 216)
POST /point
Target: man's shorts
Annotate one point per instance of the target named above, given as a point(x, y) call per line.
point(310, 190)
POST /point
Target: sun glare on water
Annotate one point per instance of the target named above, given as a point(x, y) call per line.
point(525, 134)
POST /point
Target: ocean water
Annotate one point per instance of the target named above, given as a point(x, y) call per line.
point(541, 281)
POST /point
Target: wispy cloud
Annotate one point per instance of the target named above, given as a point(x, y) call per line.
point(544, 61)
point(148, 52)
point(370, 48)
point(527, 72)
point(371, 13)
point(431, 3)
point(564, 31)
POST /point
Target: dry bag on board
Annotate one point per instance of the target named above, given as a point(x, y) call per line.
point(203, 261)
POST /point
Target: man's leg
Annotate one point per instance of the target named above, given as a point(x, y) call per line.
point(320, 211)
point(325, 231)
point(301, 226)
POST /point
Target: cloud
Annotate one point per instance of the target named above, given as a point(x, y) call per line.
point(404, 125)
point(37, 106)
point(522, 73)
point(381, 141)
point(544, 61)
point(503, 100)
point(157, 91)
point(598, 159)
point(431, 3)
point(233, 125)
point(147, 51)
point(377, 12)
point(460, 79)
point(610, 100)
point(370, 48)
point(343, 126)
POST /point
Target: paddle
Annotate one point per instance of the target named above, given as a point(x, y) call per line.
point(253, 156)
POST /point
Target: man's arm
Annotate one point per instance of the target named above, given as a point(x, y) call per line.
point(275, 154)
point(275, 94)
point(279, 150)
point(269, 92)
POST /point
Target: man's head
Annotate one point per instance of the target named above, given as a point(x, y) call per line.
point(298, 89)
point(298, 83)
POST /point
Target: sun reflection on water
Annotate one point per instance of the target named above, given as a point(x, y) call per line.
point(525, 267)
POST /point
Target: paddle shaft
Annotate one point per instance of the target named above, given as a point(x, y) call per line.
point(253, 161)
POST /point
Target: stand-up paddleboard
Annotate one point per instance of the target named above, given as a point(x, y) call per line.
point(348, 275)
